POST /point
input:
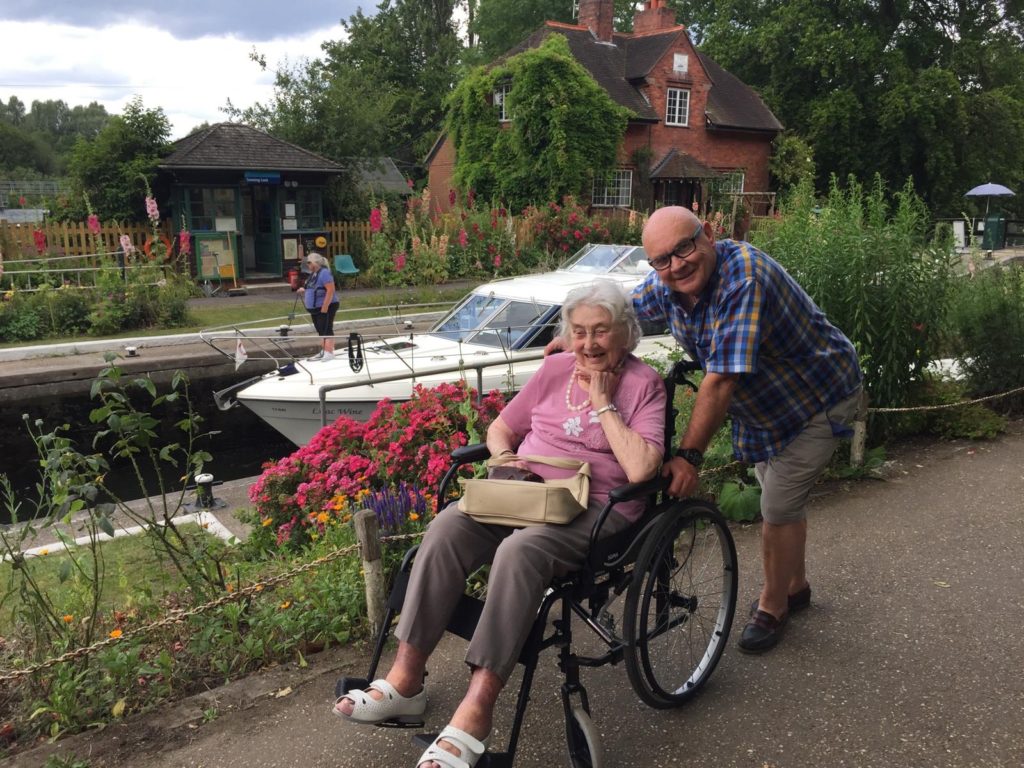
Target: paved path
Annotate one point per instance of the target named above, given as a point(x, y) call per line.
point(910, 656)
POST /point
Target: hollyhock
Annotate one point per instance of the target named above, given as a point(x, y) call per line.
point(40, 240)
point(184, 242)
point(126, 244)
point(400, 258)
point(152, 211)
point(452, 197)
point(93, 223)
point(463, 238)
point(376, 220)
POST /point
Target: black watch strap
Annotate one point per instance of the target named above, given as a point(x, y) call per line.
point(691, 455)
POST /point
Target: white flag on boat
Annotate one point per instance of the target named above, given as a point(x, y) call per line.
point(240, 355)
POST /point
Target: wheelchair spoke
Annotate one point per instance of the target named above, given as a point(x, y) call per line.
point(681, 606)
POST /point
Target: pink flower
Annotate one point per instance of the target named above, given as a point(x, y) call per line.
point(184, 242)
point(152, 211)
point(94, 223)
point(409, 183)
point(463, 238)
point(497, 260)
point(376, 220)
point(126, 244)
point(400, 261)
point(21, 201)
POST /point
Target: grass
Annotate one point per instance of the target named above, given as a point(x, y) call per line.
point(128, 561)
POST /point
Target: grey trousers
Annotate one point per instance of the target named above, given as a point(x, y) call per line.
point(523, 563)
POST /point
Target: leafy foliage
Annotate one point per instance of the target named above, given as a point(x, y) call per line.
point(877, 270)
point(545, 151)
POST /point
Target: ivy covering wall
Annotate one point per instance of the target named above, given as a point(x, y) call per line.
point(564, 130)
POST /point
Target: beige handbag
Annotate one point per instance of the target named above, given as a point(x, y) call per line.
point(519, 503)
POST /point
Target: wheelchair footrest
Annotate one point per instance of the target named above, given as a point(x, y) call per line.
point(489, 759)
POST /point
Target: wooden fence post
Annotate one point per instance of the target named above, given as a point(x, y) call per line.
point(368, 536)
point(860, 433)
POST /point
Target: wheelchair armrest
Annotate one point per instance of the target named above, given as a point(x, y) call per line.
point(631, 491)
point(467, 454)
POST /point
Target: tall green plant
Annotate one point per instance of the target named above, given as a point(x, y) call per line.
point(879, 271)
point(988, 324)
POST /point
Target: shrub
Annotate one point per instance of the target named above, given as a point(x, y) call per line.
point(987, 320)
point(400, 455)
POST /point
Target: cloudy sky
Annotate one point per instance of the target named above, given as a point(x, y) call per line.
point(188, 57)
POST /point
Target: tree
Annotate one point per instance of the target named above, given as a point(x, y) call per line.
point(546, 150)
point(926, 89)
point(22, 151)
point(110, 168)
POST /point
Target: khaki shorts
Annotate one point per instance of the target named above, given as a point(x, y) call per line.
point(787, 478)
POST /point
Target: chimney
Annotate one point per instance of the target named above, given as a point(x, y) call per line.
point(597, 15)
point(655, 16)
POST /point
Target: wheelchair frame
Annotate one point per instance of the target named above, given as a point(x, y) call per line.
point(641, 561)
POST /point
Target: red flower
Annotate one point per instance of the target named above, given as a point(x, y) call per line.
point(577, 234)
point(409, 182)
point(40, 239)
point(497, 260)
point(376, 220)
point(400, 261)
point(452, 197)
point(21, 201)
point(463, 238)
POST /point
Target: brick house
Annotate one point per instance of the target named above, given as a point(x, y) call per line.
point(695, 129)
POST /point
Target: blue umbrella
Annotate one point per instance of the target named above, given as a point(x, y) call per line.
point(988, 191)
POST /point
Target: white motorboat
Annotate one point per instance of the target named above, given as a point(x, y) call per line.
point(493, 339)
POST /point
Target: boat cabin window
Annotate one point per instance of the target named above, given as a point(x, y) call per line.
point(603, 259)
point(513, 325)
point(471, 314)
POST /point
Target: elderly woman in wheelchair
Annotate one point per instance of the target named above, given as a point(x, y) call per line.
point(596, 403)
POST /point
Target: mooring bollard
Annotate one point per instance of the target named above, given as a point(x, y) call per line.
point(860, 432)
point(368, 536)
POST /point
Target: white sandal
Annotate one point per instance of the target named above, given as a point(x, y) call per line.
point(470, 749)
point(367, 710)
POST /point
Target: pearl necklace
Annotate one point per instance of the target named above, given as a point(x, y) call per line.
point(568, 398)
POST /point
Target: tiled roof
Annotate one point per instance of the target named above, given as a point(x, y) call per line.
point(379, 175)
point(679, 165)
point(228, 146)
point(733, 104)
point(619, 67)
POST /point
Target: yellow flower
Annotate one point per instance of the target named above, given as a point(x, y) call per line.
point(323, 517)
point(346, 518)
point(285, 605)
point(68, 618)
point(413, 516)
point(258, 587)
point(115, 633)
point(44, 551)
point(267, 521)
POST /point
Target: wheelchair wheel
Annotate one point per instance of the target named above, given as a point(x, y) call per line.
point(680, 604)
point(584, 741)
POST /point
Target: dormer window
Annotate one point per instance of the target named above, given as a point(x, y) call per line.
point(680, 63)
point(677, 107)
point(500, 96)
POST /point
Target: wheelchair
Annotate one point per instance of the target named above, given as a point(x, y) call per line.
point(676, 575)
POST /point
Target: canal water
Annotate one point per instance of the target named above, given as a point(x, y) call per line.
point(243, 444)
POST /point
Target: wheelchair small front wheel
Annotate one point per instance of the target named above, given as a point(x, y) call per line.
point(583, 740)
point(680, 604)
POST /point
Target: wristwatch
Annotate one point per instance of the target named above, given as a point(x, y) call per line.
point(691, 455)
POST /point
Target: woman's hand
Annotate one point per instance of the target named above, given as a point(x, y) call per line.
point(601, 385)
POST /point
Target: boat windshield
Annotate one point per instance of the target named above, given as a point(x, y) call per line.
point(493, 321)
point(604, 259)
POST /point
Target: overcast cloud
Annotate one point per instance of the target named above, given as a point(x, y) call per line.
point(188, 59)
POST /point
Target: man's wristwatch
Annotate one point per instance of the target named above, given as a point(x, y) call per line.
point(691, 455)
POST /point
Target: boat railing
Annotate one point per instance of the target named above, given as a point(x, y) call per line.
point(272, 338)
point(461, 367)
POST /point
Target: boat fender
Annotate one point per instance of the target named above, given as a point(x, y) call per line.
point(355, 352)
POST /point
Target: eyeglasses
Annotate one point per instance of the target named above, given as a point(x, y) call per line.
point(682, 251)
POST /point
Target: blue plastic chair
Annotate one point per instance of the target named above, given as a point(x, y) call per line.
point(343, 265)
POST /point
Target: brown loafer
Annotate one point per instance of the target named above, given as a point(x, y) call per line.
point(761, 633)
point(795, 602)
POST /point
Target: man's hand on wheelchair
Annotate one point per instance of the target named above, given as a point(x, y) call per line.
point(557, 344)
point(684, 477)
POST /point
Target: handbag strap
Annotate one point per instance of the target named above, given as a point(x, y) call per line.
point(581, 467)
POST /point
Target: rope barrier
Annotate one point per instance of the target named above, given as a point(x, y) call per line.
point(945, 406)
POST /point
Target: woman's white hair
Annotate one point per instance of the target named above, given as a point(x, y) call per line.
point(316, 258)
point(608, 296)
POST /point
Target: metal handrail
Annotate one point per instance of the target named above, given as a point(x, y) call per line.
point(461, 366)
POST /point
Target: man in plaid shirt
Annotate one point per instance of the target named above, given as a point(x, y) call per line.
point(788, 378)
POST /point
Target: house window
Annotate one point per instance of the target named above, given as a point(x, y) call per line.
point(304, 205)
point(206, 206)
point(677, 107)
point(615, 192)
point(731, 182)
point(500, 96)
point(680, 63)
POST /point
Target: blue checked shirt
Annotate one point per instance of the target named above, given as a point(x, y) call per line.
point(753, 319)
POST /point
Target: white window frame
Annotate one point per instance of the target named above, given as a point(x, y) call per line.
point(500, 95)
point(677, 107)
point(733, 181)
point(681, 63)
point(616, 192)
